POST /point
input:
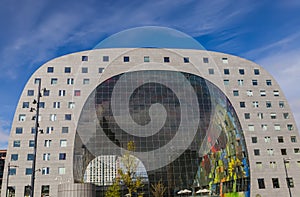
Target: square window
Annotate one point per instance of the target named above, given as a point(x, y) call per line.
point(283, 151)
point(241, 71)
point(273, 115)
point(126, 58)
point(166, 59)
point(65, 130)
point(12, 171)
point(226, 72)
point(146, 59)
point(53, 81)
point(267, 139)
point(256, 71)
point(22, 117)
point(258, 164)
point(268, 82)
point(268, 104)
point(45, 190)
point(37, 80)
point(46, 156)
point(273, 164)
point(262, 93)
point(290, 127)
point(225, 60)
point(61, 92)
point(247, 115)
point(286, 115)
point(280, 139)
point(84, 70)
point(249, 93)
point(276, 93)
point(277, 127)
point(52, 117)
point(275, 182)
point(30, 157)
point(100, 70)
point(67, 69)
point(56, 105)
point(31, 143)
point(205, 60)
point(47, 143)
point(50, 70)
point(251, 127)
point(25, 105)
point(242, 105)
point(28, 171)
point(68, 116)
point(84, 58)
point(49, 130)
point(105, 59)
point(30, 92)
point(270, 152)
point(86, 81)
point(61, 170)
point(211, 71)
point(240, 82)
point(255, 104)
point(281, 104)
point(62, 156)
point(19, 130)
point(226, 82)
point(42, 104)
point(256, 152)
point(45, 171)
point(71, 105)
point(261, 183)
point(76, 92)
point(46, 92)
point(235, 93)
point(63, 143)
point(296, 150)
point(293, 139)
point(254, 82)
point(70, 81)
point(14, 157)
point(186, 59)
point(254, 140)
point(260, 115)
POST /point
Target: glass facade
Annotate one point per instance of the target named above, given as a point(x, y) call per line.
point(209, 153)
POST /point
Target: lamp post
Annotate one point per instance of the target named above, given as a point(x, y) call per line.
point(37, 110)
point(7, 178)
point(286, 175)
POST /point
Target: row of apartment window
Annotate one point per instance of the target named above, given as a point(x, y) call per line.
point(49, 130)
point(273, 115)
point(270, 151)
point(53, 117)
point(255, 104)
point(47, 143)
point(254, 82)
point(277, 127)
point(273, 164)
point(226, 71)
point(60, 93)
point(263, 93)
point(44, 190)
point(275, 183)
point(46, 157)
point(56, 104)
point(280, 139)
point(44, 171)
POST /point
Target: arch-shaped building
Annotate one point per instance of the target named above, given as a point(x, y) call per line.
point(199, 119)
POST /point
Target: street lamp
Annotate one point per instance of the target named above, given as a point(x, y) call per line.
point(7, 178)
point(285, 160)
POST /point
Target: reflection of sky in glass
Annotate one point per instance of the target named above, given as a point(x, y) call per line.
point(150, 37)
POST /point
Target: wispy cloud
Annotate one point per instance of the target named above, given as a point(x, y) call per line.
point(4, 133)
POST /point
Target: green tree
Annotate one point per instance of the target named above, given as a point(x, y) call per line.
point(114, 189)
point(158, 189)
point(128, 175)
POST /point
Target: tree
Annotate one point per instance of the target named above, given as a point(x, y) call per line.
point(158, 189)
point(114, 189)
point(128, 175)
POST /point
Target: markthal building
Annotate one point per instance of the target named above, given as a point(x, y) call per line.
point(202, 122)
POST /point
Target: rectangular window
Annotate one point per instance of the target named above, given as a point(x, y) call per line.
point(68, 116)
point(42, 105)
point(262, 93)
point(56, 105)
point(100, 70)
point(84, 58)
point(296, 150)
point(251, 127)
point(249, 93)
point(281, 104)
point(146, 59)
point(293, 139)
point(47, 143)
point(260, 115)
point(283, 151)
point(105, 59)
point(31, 143)
point(71, 105)
point(62, 156)
point(46, 93)
point(30, 92)
point(286, 115)
point(65, 130)
point(25, 105)
point(86, 81)
point(186, 59)
point(267, 139)
point(70, 81)
point(53, 81)
point(61, 170)
point(211, 71)
point(242, 105)
point(14, 157)
point(256, 71)
point(273, 115)
point(270, 151)
point(12, 171)
point(126, 58)
point(22, 117)
point(247, 115)
point(37, 80)
point(61, 92)
point(50, 70)
point(277, 127)
point(254, 82)
point(84, 70)
point(290, 182)
point(290, 127)
point(276, 93)
point(45, 171)
point(255, 104)
point(254, 140)
point(30, 157)
point(63, 143)
point(45, 190)
point(241, 71)
point(280, 139)
point(275, 182)
point(235, 93)
point(258, 165)
point(49, 130)
point(205, 60)
point(226, 82)
point(46, 156)
point(240, 82)
point(28, 171)
point(19, 130)
point(76, 92)
point(166, 59)
point(52, 117)
point(273, 164)
point(268, 82)
point(226, 71)
point(225, 60)
point(256, 152)
point(67, 69)
point(261, 183)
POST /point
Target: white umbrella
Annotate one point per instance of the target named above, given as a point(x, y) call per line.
point(202, 191)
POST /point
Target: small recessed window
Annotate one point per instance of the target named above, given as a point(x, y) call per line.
point(205, 60)
point(146, 59)
point(268, 82)
point(41, 104)
point(293, 139)
point(270, 151)
point(67, 69)
point(186, 59)
point(56, 105)
point(53, 81)
point(240, 82)
point(235, 93)
point(256, 71)
point(84, 58)
point(280, 139)
point(255, 104)
point(71, 105)
point(247, 115)
point(254, 82)
point(25, 105)
point(273, 115)
point(65, 130)
point(251, 127)
point(30, 92)
point(256, 152)
point(37, 80)
point(61, 92)
point(62, 156)
point(286, 115)
point(86, 81)
point(242, 104)
point(260, 115)
point(249, 93)
point(275, 182)
point(28, 171)
point(277, 127)
point(226, 82)
point(45, 171)
point(226, 71)
point(281, 104)
point(225, 60)
point(264, 127)
point(254, 139)
point(211, 71)
point(241, 71)
point(166, 59)
point(105, 58)
point(49, 130)
point(61, 170)
point(17, 143)
point(46, 93)
point(258, 164)
point(84, 70)
point(76, 92)
point(70, 81)
point(19, 130)
point(273, 164)
point(12, 171)
point(262, 93)
point(22, 117)
point(276, 93)
point(126, 59)
point(283, 151)
point(50, 70)
point(52, 117)
point(63, 143)
point(296, 150)
point(31, 143)
point(100, 70)
point(68, 116)
point(268, 104)
point(290, 127)
point(47, 143)
point(14, 157)
point(30, 157)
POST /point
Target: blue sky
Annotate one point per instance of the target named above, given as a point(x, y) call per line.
point(34, 32)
